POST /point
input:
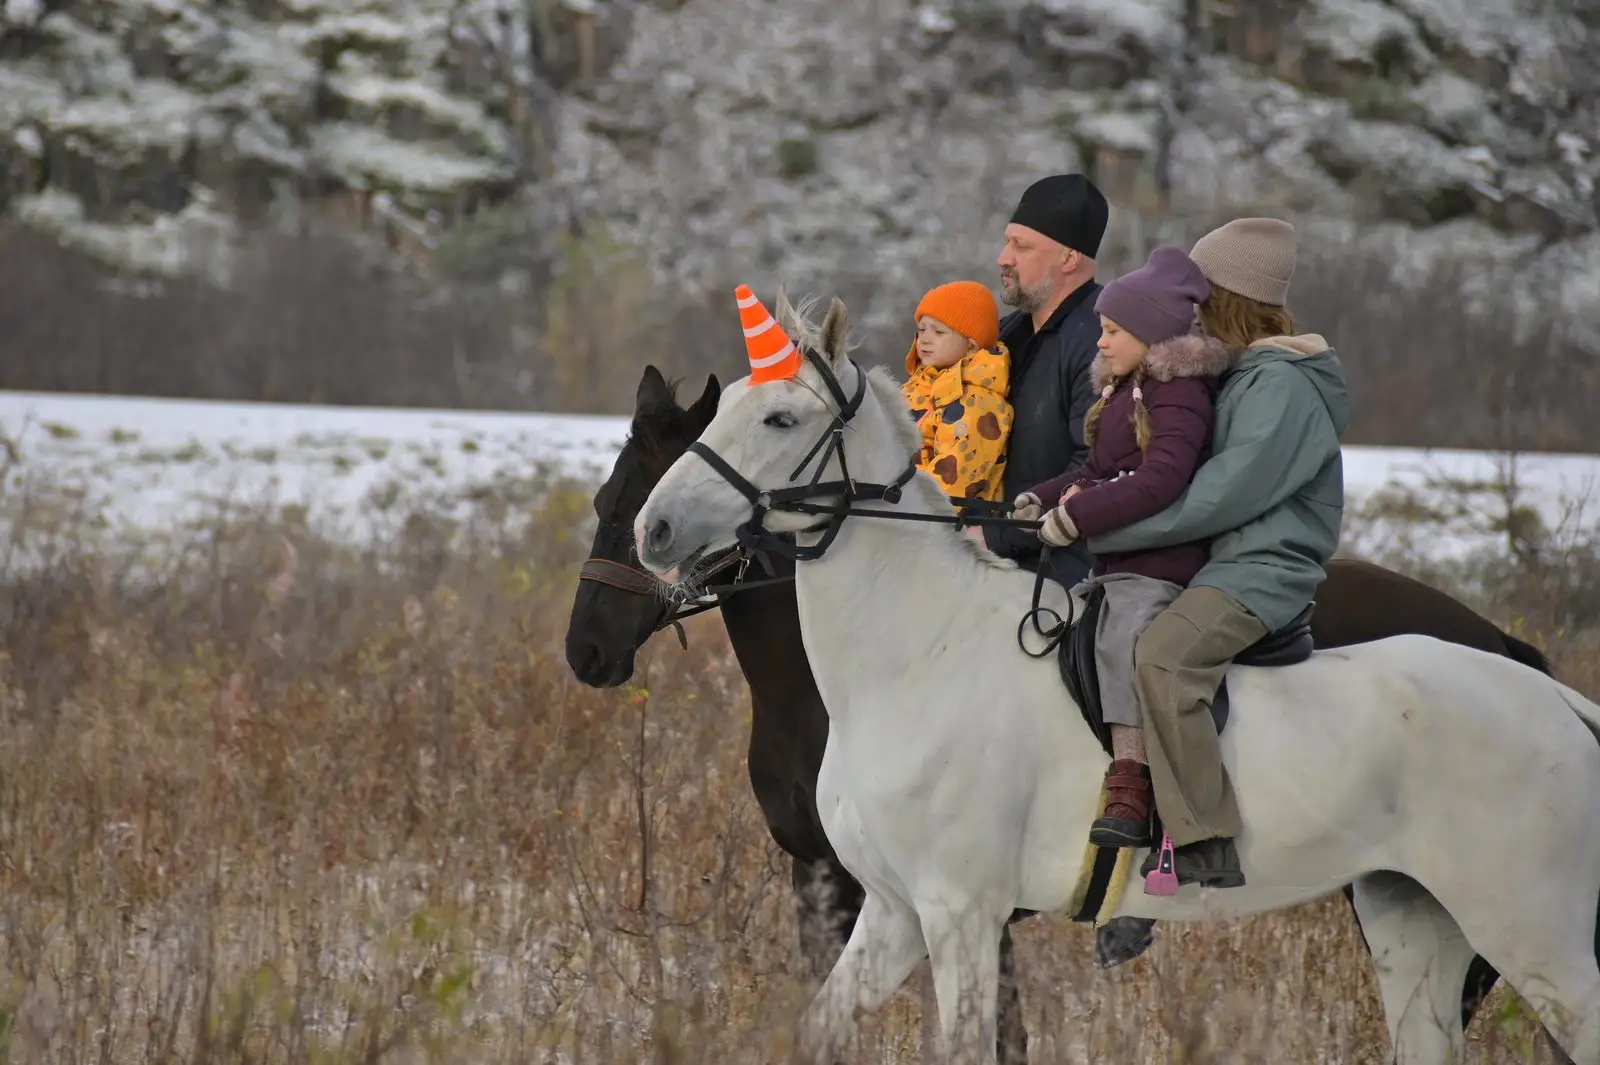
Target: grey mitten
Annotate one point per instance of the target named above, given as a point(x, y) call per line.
point(1027, 507)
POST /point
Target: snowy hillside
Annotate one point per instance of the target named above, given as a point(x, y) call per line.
point(152, 463)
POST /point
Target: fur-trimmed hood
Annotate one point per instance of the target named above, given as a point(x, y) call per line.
point(1190, 355)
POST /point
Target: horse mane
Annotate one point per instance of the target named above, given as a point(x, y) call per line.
point(799, 321)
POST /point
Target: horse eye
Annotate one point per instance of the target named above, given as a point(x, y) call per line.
point(780, 419)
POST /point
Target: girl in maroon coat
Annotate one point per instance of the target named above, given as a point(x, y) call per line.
point(1148, 433)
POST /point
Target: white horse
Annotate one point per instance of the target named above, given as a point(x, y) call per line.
point(1459, 791)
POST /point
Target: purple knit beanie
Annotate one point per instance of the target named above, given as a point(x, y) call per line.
point(1157, 301)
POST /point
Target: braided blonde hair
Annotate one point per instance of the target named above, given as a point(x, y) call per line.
point(1141, 415)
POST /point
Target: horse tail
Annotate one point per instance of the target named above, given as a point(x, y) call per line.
point(1590, 716)
point(1527, 654)
point(1583, 709)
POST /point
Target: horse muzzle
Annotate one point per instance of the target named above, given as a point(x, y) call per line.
point(667, 551)
point(595, 668)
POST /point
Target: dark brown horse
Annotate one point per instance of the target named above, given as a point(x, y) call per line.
point(616, 610)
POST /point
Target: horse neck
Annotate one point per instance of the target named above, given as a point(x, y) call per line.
point(905, 585)
point(788, 723)
point(764, 630)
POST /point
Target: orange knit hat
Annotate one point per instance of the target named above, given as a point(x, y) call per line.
point(965, 306)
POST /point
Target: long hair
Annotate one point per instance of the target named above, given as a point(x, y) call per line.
point(1141, 416)
point(1239, 321)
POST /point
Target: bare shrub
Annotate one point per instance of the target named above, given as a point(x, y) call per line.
point(317, 319)
point(1426, 369)
point(1539, 579)
point(312, 319)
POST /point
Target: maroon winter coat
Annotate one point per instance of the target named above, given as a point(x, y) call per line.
point(1122, 486)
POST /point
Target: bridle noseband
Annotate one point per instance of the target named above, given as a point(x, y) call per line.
point(626, 578)
point(758, 542)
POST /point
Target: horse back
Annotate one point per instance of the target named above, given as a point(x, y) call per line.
point(1359, 602)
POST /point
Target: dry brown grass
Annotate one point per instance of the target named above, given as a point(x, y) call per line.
point(346, 810)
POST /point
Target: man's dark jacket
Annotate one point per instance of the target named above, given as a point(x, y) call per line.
point(1050, 392)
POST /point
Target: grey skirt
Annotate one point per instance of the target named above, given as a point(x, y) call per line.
point(1131, 604)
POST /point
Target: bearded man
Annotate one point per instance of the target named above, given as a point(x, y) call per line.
point(1047, 272)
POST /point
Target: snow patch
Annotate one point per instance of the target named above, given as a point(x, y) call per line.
point(1156, 24)
point(195, 240)
point(376, 93)
point(363, 157)
point(152, 464)
point(345, 465)
point(1353, 30)
point(1123, 132)
point(156, 114)
point(27, 94)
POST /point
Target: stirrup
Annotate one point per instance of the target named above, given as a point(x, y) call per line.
point(1163, 879)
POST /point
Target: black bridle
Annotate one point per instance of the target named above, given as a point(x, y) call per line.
point(758, 542)
point(626, 578)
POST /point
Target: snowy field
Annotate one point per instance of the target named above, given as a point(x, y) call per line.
point(145, 464)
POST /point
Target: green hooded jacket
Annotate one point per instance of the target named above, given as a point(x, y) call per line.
point(1271, 497)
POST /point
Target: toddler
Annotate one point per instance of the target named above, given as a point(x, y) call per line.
point(959, 374)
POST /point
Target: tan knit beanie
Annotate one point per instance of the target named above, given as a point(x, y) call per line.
point(1251, 256)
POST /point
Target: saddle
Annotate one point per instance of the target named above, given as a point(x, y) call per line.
point(1288, 646)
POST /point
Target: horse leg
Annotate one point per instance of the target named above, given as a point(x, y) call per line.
point(964, 946)
point(1013, 1037)
point(1552, 966)
point(827, 902)
point(1565, 992)
point(884, 946)
point(1533, 913)
point(1480, 978)
point(1421, 957)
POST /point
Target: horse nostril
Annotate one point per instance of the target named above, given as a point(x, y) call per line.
point(586, 660)
point(660, 535)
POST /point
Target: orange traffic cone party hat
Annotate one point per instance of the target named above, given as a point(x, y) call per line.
point(773, 356)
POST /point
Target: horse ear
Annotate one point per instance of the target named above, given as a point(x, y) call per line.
point(705, 408)
point(654, 392)
point(783, 312)
point(834, 328)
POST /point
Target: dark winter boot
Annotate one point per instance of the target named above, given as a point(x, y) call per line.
point(1125, 822)
point(1121, 940)
point(1212, 863)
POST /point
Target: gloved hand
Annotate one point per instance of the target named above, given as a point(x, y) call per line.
point(1058, 530)
point(1027, 507)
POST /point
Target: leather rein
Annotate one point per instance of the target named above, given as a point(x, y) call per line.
point(626, 578)
point(756, 542)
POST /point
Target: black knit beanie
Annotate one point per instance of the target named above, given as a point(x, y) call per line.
point(1066, 208)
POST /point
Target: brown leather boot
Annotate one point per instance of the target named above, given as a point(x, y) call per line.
point(1125, 822)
